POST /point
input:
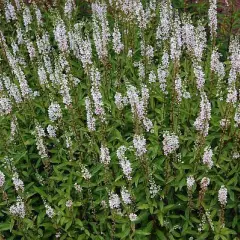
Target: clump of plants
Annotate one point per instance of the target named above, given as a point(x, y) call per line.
point(120, 125)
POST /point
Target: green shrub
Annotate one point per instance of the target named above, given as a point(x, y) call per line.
point(119, 120)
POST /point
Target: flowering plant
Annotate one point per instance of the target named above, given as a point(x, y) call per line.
point(120, 125)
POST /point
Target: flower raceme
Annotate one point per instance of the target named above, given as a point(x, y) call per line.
point(85, 100)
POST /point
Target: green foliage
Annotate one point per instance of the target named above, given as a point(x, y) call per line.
point(54, 169)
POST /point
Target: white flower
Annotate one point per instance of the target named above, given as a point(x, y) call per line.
point(152, 77)
point(85, 173)
point(38, 16)
point(205, 182)
point(114, 200)
point(104, 155)
point(31, 49)
point(18, 209)
point(212, 16)
point(126, 197)
point(58, 234)
point(224, 123)
point(202, 122)
point(207, 157)
point(69, 203)
point(5, 106)
point(77, 187)
point(124, 162)
point(120, 101)
point(27, 17)
point(49, 210)
point(10, 12)
point(54, 112)
point(154, 188)
point(91, 122)
point(39, 134)
point(237, 115)
point(60, 35)
point(190, 182)
point(2, 179)
point(178, 88)
point(117, 44)
point(69, 7)
point(51, 131)
point(139, 143)
point(200, 76)
point(132, 217)
point(18, 183)
point(222, 195)
point(170, 143)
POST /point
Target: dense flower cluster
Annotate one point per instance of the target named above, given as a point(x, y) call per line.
point(207, 157)
point(124, 162)
point(18, 209)
point(105, 155)
point(139, 143)
point(190, 182)
point(115, 117)
point(222, 195)
point(170, 143)
point(54, 112)
point(2, 179)
point(114, 201)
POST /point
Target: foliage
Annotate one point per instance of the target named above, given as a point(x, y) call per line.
point(119, 123)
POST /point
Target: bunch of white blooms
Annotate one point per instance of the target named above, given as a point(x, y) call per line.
point(51, 131)
point(96, 94)
point(90, 118)
point(49, 210)
point(101, 33)
point(202, 122)
point(124, 162)
point(126, 197)
point(212, 16)
point(224, 123)
point(60, 35)
point(69, 203)
point(154, 188)
point(139, 143)
point(117, 44)
point(104, 155)
point(170, 143)
point(199, 74)
point(165, 22)
point(120, 101)
point(18, 183)
point(205, 182)
point(77, 187)
point(18, 209)
point(10, 12)
point(39, 133)
point(132, 217)
point(222, 195)
point(207, 157)
point(5, 106)
point(178, 88)
point(54, 112)
point(237, 116)
point(162, 72)
point(27, 17)
point(190, 182)
point(69, 8)
point(38, 16)
point(114, 201)
point(2, 179)
point(85, 173)
point(216, 65)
